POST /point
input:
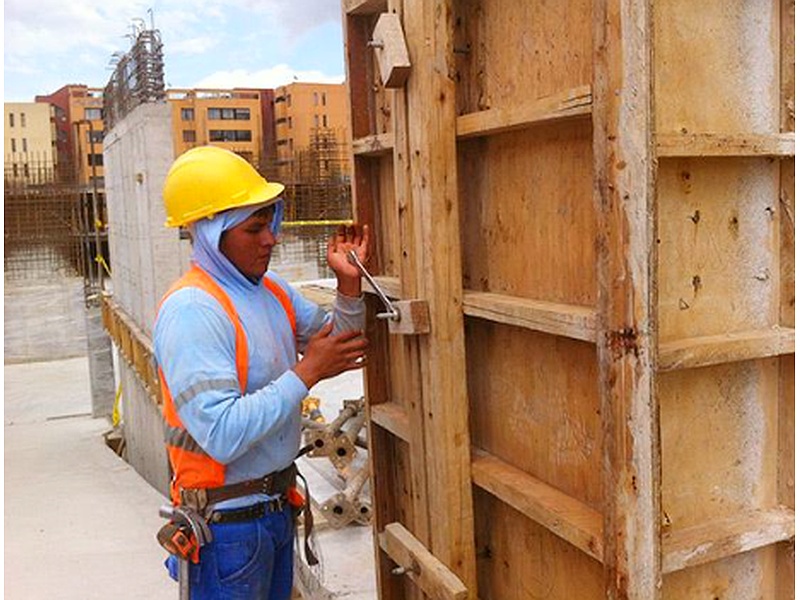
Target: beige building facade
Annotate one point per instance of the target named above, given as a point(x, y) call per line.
point(231, 119)
point(305, 115)
point(28, 138)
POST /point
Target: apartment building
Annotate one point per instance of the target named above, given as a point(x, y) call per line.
point(78, 120)
point(306, 113)
point(28, 140)
point(232, 119)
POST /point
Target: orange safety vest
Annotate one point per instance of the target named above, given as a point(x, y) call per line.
point(191, 466)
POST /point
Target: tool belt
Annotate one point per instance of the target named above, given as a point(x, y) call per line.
point(273, 484)
point(185, 536)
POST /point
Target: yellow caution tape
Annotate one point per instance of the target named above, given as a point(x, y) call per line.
point(115, 418)
point(316, 223)
point(99, 259)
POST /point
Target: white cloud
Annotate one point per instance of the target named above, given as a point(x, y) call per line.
point(266, 78)
point(196, 45)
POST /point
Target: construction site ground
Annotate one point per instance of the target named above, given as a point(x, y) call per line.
point(80, 522)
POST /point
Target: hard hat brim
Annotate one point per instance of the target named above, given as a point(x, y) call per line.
point(269, 191)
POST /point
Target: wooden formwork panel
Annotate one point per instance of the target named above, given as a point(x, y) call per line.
point(596, 200)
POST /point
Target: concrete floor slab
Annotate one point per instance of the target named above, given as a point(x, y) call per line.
point(80, 522)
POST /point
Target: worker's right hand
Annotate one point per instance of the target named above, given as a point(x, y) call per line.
point(329, 355)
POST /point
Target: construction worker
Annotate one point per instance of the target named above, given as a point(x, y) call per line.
point(227, 338)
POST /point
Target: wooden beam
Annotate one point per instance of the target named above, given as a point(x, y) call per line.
point(393, 418)
point(363, 7)
point(374, 145)
point(432, 175)
point(731, 347)
point(720, 144)
point(720, 538)
point(577, 322)
point(135, 346)
point(624, 195)
point(568, 104)
point(428, 573)
point(568, 518)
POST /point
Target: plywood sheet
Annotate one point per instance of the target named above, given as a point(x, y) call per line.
point(717, 66)
point(528, 223)
point(719, 441)
point(718, 259)
point(534, 404)
point(518, 559)
point(508, 52)
point(749, 575)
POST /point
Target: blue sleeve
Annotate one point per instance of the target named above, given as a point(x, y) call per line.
point(195, 348)
point(348, 313)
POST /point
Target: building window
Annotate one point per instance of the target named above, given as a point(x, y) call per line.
point(316, 99)
point(324, 99)
point(98, 160)
point(99, 181)
point(25, 170)
point(288, 99)
point(324, 120)
point(24, 140)
point(10, 119)
point(316, 120)
point(13, 145)
point(230, 135)
point(187, 114)
point(189, 135)
point(22, 119)
point(290, 122)
point(93, 114)
point(94, 136)
point(229, 114)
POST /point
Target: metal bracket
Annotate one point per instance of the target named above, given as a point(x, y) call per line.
point(408, 317)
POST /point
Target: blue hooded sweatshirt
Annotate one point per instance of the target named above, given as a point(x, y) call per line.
point(258, 432)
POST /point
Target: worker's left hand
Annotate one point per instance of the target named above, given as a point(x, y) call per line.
point(350, 237)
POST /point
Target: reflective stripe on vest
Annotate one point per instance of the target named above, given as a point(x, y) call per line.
point(191, 465)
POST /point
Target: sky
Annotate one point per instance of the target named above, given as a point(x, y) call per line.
point(207, 43)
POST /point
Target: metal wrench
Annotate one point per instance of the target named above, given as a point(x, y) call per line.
point(391, 312)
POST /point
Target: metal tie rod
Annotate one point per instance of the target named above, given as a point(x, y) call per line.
point(391, 312)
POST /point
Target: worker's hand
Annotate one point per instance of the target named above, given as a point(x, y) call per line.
point(351, 237)
point(329, 355)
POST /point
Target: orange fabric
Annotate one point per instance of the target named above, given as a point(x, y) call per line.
point(190, 469)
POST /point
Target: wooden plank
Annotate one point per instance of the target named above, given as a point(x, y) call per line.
point(730, 347)
point(374, 145)
point(565, 516)
point(393, 419)
point(429, 573)
point(577, 322)
point(624, 198)
point(721, 538)
point(568, 104)
point(718, 144)
point(363, 7)
point(430, 101)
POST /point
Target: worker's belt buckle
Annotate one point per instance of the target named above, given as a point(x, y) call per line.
point(248, 513)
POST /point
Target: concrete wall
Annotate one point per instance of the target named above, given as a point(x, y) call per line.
point(44, 321)
point(146, 258)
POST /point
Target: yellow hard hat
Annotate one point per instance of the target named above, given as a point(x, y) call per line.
point(207, 180)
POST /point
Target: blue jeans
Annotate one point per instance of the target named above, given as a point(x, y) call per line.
point(245, 561)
